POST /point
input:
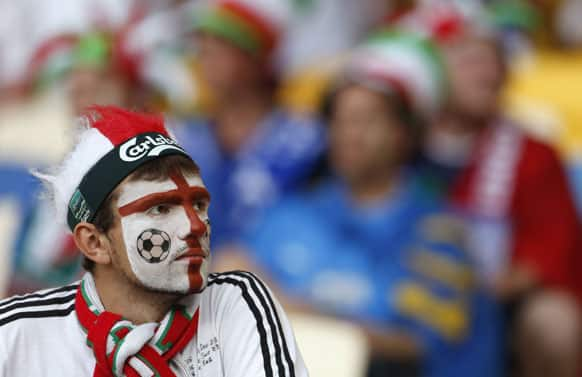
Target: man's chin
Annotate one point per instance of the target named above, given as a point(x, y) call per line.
point(169, 289)
point(164, 290)
point(195, 284)
point(178, 291)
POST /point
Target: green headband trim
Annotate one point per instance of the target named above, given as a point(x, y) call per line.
point(425, 47)
point(230, 27)
point(514, 13)
point(93, 50)
point(55, 69)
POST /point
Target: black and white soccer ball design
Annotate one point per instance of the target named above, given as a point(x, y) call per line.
point(153, 245)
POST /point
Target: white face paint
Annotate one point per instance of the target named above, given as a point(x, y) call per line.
point(161, 223)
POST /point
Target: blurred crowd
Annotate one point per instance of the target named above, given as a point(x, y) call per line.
point(413, 168)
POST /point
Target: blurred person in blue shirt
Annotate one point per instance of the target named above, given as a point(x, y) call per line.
point(250, 150)
point(371, 244)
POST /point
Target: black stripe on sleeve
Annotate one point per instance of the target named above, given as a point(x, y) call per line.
point(278, 320)
point(40, 314)
point(48, 301)
point(270, 313)
point(65, 288)
point(217, 279)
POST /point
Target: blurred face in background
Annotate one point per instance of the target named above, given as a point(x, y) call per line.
point(476, 76)
point(226, 68)
point(97, 86)
point(366, 135)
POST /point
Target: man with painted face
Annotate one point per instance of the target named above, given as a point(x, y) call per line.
point(147, 305)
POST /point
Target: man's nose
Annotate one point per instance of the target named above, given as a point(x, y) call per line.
point(197, 227)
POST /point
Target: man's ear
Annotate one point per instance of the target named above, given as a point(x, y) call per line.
point(93, 244)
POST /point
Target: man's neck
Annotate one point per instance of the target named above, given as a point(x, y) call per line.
point(137, 304)
point(462, 124)
point(239, 115)
point(373, 188)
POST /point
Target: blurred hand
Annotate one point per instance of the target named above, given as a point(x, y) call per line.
point(393, 344)
point(514, 282)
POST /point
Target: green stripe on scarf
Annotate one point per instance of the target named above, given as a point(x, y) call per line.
point(114, 361)
point(160, 343)
point(87, 299)
point(185, 313)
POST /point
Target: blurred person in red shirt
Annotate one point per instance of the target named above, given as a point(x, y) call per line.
point(525, 229)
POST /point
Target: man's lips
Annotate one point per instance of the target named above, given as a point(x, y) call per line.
point(194, 254)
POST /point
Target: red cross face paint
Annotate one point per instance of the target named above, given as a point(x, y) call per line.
point(166, 231)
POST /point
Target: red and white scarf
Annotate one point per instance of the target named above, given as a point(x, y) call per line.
point(124, 349)
point(486, 191)
point(496, 171)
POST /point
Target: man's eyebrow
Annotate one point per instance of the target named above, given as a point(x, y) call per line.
point(174, 196)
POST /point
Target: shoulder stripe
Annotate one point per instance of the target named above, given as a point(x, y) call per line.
point(278, 321)
point(270, 313)
point(66, 288)
point(40, 314)
point(48, 301)
point(256, 314)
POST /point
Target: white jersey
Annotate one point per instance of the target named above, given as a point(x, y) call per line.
point(242, 332)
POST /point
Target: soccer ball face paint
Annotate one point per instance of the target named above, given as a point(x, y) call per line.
point(166, 231)
point(153, 245)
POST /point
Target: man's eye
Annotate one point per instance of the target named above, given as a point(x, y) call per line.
point(160, 209)
point(200, 205)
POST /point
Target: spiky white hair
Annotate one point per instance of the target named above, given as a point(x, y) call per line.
point(62, 180)
point(97, 133)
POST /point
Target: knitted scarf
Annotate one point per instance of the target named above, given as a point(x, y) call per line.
point(124, 349)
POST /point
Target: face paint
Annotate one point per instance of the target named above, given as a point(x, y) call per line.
point(166, 231)
point(153, 245)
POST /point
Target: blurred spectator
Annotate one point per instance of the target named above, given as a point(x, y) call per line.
point(28, 260)
point(25, 24)
point(369, 243)
point(525, 231)
point(139, 65)
point(101, 74)
point(249, 149)
point(541, 86)
point(96, 68)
